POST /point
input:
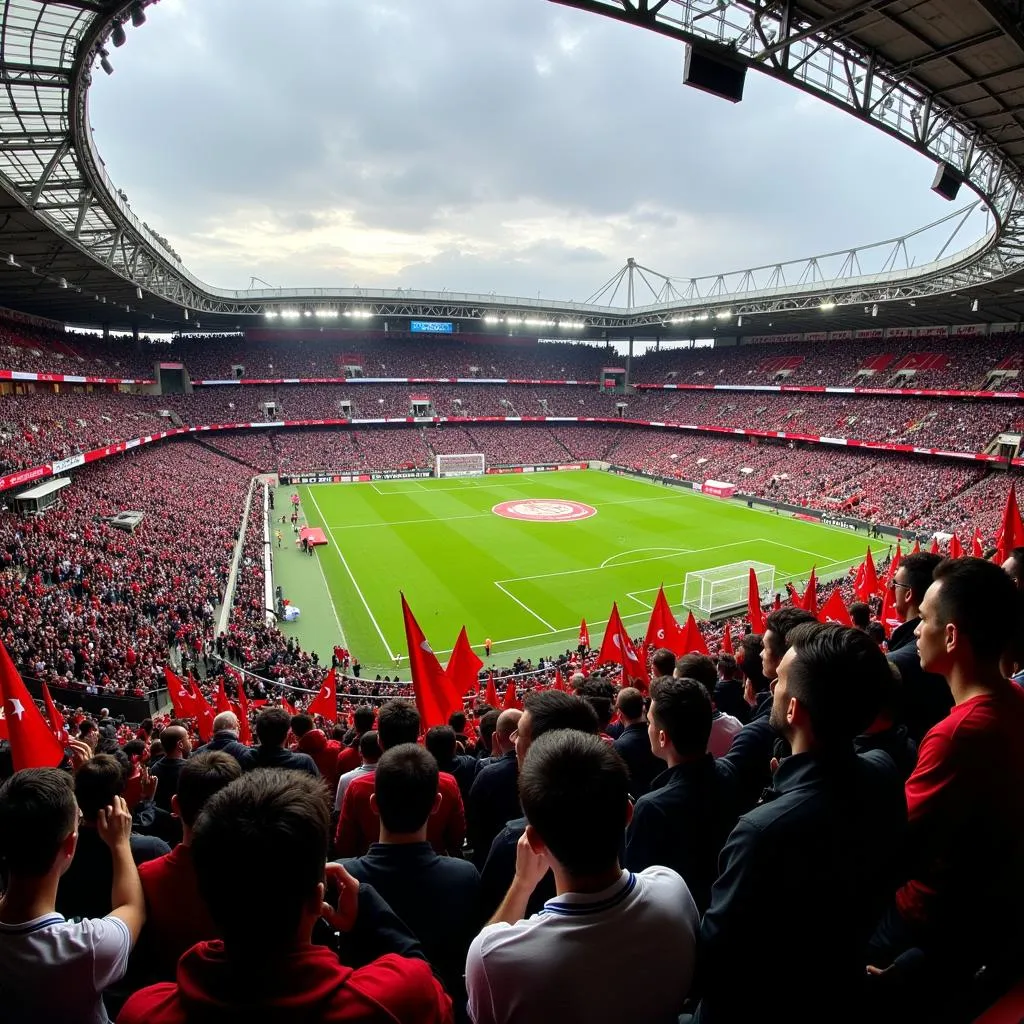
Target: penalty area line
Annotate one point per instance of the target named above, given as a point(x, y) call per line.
point(527, 608)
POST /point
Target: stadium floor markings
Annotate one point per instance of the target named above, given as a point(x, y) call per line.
point(327, 592)
point(643, 604)
point(526, 607)
point(358, 589)
point(635, 551)
point(410, 522)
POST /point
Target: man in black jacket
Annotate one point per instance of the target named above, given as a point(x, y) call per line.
point(806, 872)
point(225, 737)
point(494, 794)
point(634, 744)
point(683, 822)
point(437, 897)
point(272, 730)
point(925, 696)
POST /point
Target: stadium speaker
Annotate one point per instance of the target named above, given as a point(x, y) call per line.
point(707, 70)
point(947, 181)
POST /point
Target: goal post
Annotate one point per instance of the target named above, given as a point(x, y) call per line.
point(459, 465)
point(723, 588)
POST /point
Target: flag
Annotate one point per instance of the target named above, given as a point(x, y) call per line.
point(858, 583)
point(810, 598)
point(223, 704)
point(866, 586)
point(726, 647)
point(560, 680)
point(55, 718)
point(833, 610)
point(935, 549)
point(888, 617)
point(464, 665)
point(794, 596)
point(917, 547)
point(754, 612)
point(663, 630)
point(437, 698)
point(203, 713)
point(893, 567)
point(325, 703)
point(287, 705)
point(244, 729)
point(33, 744)
point(1011, 533)
point(977, 548)
point(616, 646)
point(491, 694)
point(509, 700)
point(181, 696)
point(584, 640)
point(777, 603)
point(692, 638)
point(956, 549)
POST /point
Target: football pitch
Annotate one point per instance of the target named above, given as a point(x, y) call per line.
point(524, 582)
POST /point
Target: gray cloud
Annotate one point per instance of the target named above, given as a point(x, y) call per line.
point(506, 146)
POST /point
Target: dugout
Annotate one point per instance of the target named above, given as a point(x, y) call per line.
point(39, 499)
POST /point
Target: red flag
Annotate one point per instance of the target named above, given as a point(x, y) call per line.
point(833, 610)
point(287, 705)
point(777, 603)
point(692, 638)
point(977, 548)
point(203, 714)
point(754, 612)
point(1011, 532)
point(893, 566)
point(56, 719)
point(491, 694)
point(810, 598)
point(584, 640)
point(437, 698)
point(888, 617)
point(866, 586)
point(244, 729)
point(917, 547)
point(560, 681)
point(617, 647)
point(726, 647)
point(181, 696)
point(464, 665)
point(325, 703)
point(935, 549)
point(3, 722)
point(956, 549)
point(509, 700)
point(33, 745)
point(663, 630)
point(223, 704)
point(858, 582)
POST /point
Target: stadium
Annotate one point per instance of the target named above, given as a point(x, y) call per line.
point(339, 507)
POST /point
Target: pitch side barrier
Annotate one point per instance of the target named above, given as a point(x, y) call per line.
point(26, 476)
point(752, 501)
point(131, 709)
point(420, 474)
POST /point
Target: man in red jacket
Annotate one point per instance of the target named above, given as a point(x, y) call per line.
point(398, 722)
point(266, 968)
point(314, 742)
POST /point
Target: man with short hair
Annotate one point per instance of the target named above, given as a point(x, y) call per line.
point(494, 794)
point(860, 615)
point(176, 746)
point(723, 727)
point(729, 689)
point(358, 826)
point(438, 898)
point(924, 696)
point(369, 751)
point(225, 737)
point(599, 693)
point(362, 720)
point(543, 711)
point(964, 895)
point(266, 967)
point(442, 742)
point(775, 643)
point(272, 727)
point(176, 916)
point(52, 969)
point(84, 889)
point(603, 923)
point(634, 745)
point(831, 819)
point(683, 822)
point(663, 662)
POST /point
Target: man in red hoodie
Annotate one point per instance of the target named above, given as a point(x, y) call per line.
point(266, 968)
point(314, 742)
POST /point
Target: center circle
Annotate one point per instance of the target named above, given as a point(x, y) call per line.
point(544, 510)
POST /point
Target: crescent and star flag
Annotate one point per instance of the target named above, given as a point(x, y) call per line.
point(55, 718)
point(181, 696)
point(464, 666)
point(584, 640)
point(617, 647)
point(287, 705)
point(325, 703)
point(663, 630)
point(977, 548)
point(833, 610)
point(693, 641)
point(754, 612)
point(203, 712)
point(1011, 533)
point(437, 697)
point(866, 586)
point(33, 744)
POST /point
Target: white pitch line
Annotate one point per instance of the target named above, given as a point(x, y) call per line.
point(643, 604)
point(526, 607)
point(636, 551)
point(330, 601)
point(362, 597)
point(410, 522)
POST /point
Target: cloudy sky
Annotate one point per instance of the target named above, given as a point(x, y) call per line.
point(512, 146)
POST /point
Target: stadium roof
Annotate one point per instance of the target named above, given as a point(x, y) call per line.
point(944, 76)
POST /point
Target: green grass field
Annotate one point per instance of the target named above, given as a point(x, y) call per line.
point(524, 584)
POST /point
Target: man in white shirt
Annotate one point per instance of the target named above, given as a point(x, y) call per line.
point(723, 727)
point(369, 751)
point(51, 969)
point(604, 923)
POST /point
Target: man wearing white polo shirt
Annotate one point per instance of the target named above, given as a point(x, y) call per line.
point(603, 924)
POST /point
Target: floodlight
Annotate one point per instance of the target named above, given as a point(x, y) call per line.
point(106, 65)
point(739, 321)
point(138, 16)
point(874, 309)
point(974, 306)
point(117, 36)
point(138, 291)
point(827, 306)
point(63, 282)
point(723, 314)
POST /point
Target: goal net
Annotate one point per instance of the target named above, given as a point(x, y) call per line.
point(459, 465)
point(725, 587)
